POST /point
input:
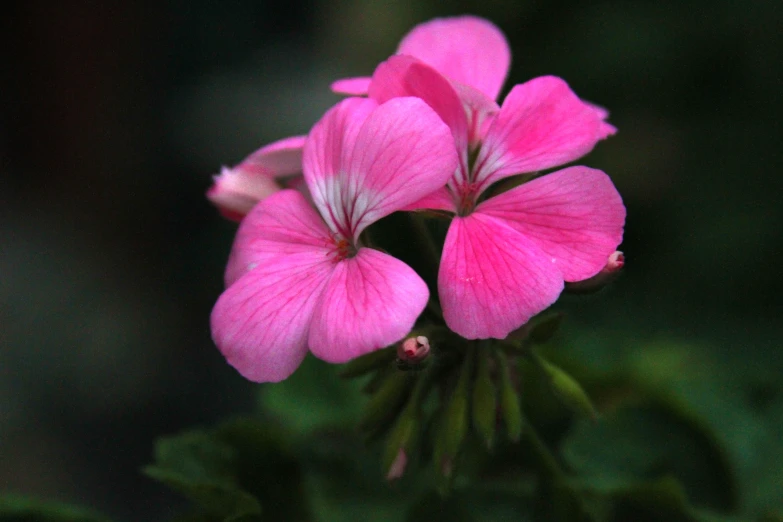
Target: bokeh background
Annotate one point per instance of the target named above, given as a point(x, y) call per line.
point(114, 116)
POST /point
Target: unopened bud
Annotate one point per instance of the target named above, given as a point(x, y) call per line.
point(414, 349)
point(608, 274)
point(567, 389)
point(235, 191)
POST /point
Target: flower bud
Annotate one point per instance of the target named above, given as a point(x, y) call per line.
point(414, 349)
point(236, 191)
point(453, 425)
point(608, 274)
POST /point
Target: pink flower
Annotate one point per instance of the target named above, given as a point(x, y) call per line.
point(507, 254)
point(468, 49)
point(298, 277)
point(236, 190)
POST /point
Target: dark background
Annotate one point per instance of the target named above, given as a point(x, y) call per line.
point(113, 119)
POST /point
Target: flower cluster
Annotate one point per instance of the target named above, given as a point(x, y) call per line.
point(423, 133)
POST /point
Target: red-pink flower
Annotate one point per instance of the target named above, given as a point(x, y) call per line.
point(507, 255)
point(236, 190)
point(298, 277)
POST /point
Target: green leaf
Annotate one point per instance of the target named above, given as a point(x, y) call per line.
point(638, 444)
point(732, 393)
point(201, 467)
point(15, 508)
point(268, 468)
point(233, 470)
point(313, 398)
point(566, 388)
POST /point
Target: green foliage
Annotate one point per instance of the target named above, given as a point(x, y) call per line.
point(202, 468)
point(639, 444)
point(313, 398)
point(233, 473)
point(681, 414)
point(677, 437)
point(566, 387)
point(454, 420)
point(20, 509)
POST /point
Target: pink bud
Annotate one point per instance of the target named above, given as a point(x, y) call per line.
point(236, 191)
point(607, 274)
point(398, 466)
point(414, 349)
point(615, 263)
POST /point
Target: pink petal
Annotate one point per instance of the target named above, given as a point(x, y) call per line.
point(261, 322)
point(236, 191)
point(322, 157)
point(280, 265)
point(351, 86)
point(406, 76)
point(279, 226)
point(441, 199)
point(541, 124)
point(402, 153)
point(493, 279)
point(280, 158)
point(468, 49)
point(372, 301)
point(575, 215)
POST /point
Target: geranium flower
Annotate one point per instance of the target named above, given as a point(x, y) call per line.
point(268, 170)
point(298, 277)
point(507, 255)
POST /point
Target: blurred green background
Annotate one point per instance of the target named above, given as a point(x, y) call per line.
point(114, 117)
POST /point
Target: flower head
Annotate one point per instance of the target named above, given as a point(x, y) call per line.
point(507, 254)
point(299, 277)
